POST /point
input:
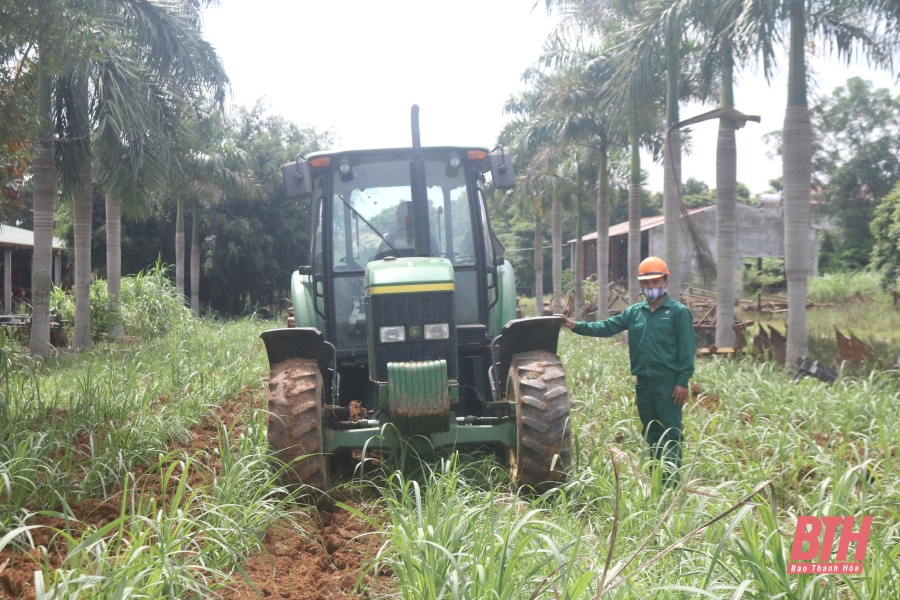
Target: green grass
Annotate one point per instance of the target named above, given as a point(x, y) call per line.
point(100, 425)
point(760, 451)
point(764, 451)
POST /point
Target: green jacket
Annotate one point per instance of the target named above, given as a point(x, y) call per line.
point(660, 343)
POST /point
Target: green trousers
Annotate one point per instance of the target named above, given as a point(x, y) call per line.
point(660, 418)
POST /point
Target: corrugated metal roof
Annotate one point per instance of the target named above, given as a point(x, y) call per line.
point(22, 238)
point(646, 223)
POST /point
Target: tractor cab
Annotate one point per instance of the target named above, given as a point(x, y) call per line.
point(363, 212)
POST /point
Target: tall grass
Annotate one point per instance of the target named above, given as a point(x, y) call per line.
point(843, 287)
point(100, 425)
point(150, 305)
point(760, 451)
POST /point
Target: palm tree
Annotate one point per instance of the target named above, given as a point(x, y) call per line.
point(207, 175)
point(535, 139)
point(629, 96)
point(846, 26)
point(567, 109)
point(123, 34)
point(42, 206)
point(545, 181)
point(656, 45)
point(727, 43)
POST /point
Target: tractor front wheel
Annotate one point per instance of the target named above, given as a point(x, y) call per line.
point(543, 451)
point(295, 424)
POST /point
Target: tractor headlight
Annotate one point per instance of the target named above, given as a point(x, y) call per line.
point(437, 331)
point(394, 333)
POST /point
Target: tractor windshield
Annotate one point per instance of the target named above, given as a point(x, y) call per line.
point(372, 214)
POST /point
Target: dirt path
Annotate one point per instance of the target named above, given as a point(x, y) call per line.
point(321, 558)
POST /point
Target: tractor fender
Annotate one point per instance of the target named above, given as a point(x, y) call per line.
point(297, 342)
point(522, 335)
point(302, 297)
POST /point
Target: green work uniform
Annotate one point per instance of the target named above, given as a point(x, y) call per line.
point(661, 346)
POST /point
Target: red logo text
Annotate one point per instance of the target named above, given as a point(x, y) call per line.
point(814, 541)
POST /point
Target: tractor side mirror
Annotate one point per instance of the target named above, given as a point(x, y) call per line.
point(502, 172)
point(297, 182)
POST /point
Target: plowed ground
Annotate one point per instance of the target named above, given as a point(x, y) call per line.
point(320, 557)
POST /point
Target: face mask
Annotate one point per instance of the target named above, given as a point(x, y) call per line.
point(653, 293)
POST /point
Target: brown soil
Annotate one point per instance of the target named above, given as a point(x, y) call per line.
point(315, 561)
point(320, 558)
point(707, 400)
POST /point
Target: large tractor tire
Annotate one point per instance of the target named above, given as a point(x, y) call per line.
point(295, 424)
point(543, 450)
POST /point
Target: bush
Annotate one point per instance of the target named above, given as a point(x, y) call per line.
point(150, 305)
point(103, 317)
point(838, 288)
point(770, 279)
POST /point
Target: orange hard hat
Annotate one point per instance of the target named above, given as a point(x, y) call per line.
point(652, 267)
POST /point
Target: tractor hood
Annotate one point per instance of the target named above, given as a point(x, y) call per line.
point(408, 275)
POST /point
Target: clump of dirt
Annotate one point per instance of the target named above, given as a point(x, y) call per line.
point(707, 400)
point(313, 561)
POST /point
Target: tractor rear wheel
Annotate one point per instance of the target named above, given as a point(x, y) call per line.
point(295, 424)
point(543, 451)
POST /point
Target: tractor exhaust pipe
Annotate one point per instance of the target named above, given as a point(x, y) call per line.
point(419, 190)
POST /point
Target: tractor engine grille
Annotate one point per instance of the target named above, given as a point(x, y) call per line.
point(414, 311)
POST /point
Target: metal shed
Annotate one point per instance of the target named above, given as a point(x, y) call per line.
point(18, 246)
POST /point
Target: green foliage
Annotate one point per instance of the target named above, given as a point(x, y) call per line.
point(150, 305)
point(103, 317)
point(450, 539)
point(840, 288)
point(886, 233)
point(770, 279)
point(696, 193)
point(757, 444)
point(857, 162)
point(97, 425)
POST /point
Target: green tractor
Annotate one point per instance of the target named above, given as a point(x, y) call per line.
point(403, 328)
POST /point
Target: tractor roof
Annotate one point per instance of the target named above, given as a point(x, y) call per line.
point(477, 154)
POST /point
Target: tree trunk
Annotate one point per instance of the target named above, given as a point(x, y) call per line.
point(578, 259)
point(578, 280)
point(726, 206)
point(556, 226)
point(84, 201)
point(634, 218)
point(672, 175)
point(114, 264)
point(44, 171)
point(603, 238)
point(797, 152)
point(195, 263)
point(179, 249)
point(726, 201)
point(539, 260)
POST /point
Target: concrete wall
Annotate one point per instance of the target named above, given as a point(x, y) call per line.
point(760, 234)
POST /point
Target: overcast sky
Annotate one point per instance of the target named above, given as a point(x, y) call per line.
point(356, 67)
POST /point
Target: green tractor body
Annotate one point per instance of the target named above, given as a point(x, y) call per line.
point(404, 326)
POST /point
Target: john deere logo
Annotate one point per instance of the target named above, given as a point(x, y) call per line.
point(415, 331)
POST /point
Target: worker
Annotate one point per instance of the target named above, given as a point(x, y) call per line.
point(402, 235)
point(402, 238)
point(661, 347)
